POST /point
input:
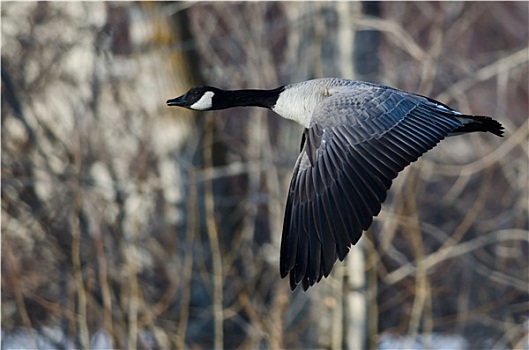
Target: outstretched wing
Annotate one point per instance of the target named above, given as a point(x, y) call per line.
point(354, 148)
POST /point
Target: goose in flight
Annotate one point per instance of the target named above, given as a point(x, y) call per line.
point(358, 136)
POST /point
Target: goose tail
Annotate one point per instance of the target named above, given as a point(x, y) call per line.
point(472, 123)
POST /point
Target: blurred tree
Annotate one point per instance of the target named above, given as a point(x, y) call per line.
point(130, 224)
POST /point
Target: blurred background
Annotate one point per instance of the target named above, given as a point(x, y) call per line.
point(128, 224)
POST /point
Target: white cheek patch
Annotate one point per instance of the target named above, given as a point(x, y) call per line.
point(205, 102)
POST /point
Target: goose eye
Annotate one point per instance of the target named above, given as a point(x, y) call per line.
point(195, 95)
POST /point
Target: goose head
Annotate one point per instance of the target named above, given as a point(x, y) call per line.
point(200, 98)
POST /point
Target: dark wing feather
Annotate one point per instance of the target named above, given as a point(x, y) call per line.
point(353, 150)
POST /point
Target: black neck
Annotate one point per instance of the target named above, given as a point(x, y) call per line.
point(241, 98)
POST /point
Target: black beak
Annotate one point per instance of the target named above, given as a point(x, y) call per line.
point(178, 101)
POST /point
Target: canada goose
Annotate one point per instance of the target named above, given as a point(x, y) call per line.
point(357, 137)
